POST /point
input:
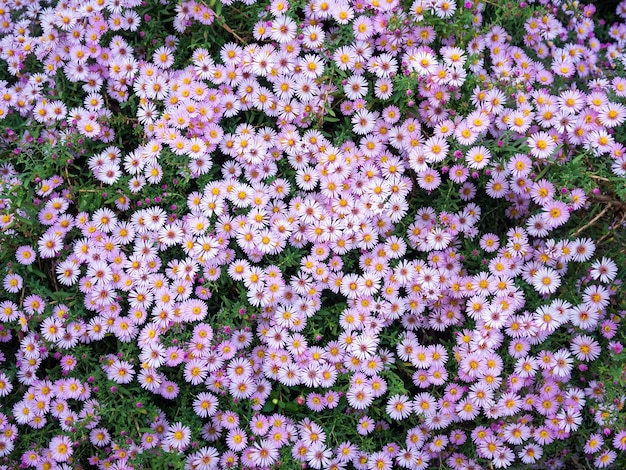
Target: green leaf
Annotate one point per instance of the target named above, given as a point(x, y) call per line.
point(36, 272)
point(269, 407)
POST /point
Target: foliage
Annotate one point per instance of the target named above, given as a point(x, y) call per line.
point(312, 234)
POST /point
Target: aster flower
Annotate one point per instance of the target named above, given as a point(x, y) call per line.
point(563, 363)
point(380, 461)
point(398, 407)
point(604, 269)
point(585, 348)
point(12, 283)
point(5, 385)
point(263, 453)
point(121, 372)
point(619, 440)
point(99, 437)
point(236, 439)
point(283, 29)
point(429, 179)
point(546, 280)
point(177, 436)
point(555, 213)
point(9, 311)
point(360, 397)
point(61, 448)
point(605, 459)
point(584, 317)
point(50, 245)
point(25, 255)
point(596, 297)
point(541, 145)
point(423, 62)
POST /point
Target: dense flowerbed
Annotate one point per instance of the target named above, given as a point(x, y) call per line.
point(329, 234)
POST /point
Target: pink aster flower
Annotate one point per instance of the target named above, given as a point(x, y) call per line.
point(541, 145)
point(429, 179)
point(605, 459)
point(555, 213)
point(478, 157)
point(178, 436)
point(61, 448)
point(585, 348)
point(546, 280)
point(398, 407)
point(12, 283)
point(264, 453)
point(604, 269)
point(25, 255)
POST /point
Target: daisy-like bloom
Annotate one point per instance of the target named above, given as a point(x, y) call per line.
point(259, 425)
point(205, 404)
point(318, 455)
point(436, 149)
point(585, 348)
point(236, 439)
point(398, 407)
point(380, 460)
point(429, 179)
point(12, 283)
point(5, 385)
point(9, 311)
point(489, 242)
point(99, 437)
point(25, 255)
point(577, 198)
point(365, 426)
point(121, 372)
point(356, 87)
point(478, 121)
point(563, 363)
point(542, 191)
point(541, 145)
point(583, 249)
point(536, 226)
point(458, 173)
point(466, 409)
point(555, 213)
point(503, 457)
point(284, 29)
point(178, 436)
point(360, 397)
point(605, 459)
point(612, 114)
point(600, 141)
point(364, 346)
point(195, 371)
point(383, 88)
point(546, 280)
point(531, 453)
point(50, 244)
point(363, 121)
point(207, 458)
point(571, 101)
point(619, 441)
point(604, 269)
point(315, 402)
point(594, 443)
point(163, 57)
point(61, 448)
point(518, 121)
point(264, 453)
point(423, 62)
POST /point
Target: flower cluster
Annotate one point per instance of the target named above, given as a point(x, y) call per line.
point(372, 266)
